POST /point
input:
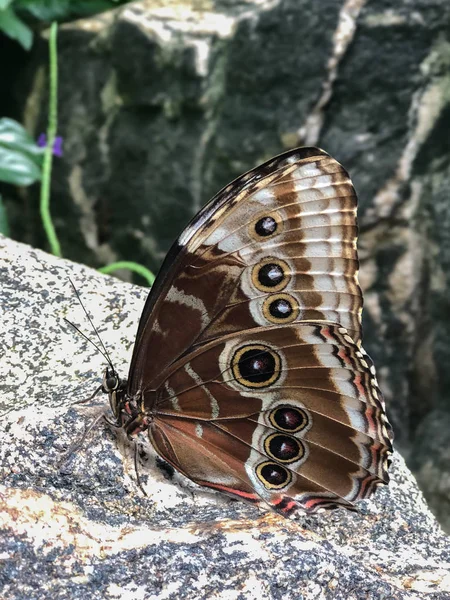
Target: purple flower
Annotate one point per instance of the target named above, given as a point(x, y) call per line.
point(57, 144)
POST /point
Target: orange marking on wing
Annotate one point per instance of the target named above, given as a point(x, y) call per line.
point(224, 488)
point(372, 431)
point(365, 483)
point(359, 385)
point(289, 506)
point(375, 451)
point(325, 331)
point(309, 504)
point(344, 355)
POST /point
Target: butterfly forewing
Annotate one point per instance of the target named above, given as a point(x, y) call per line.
point(276, 246)
point(248, 362)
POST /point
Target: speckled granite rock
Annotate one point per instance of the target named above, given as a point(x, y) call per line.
point(165, 101)
point(80, 528)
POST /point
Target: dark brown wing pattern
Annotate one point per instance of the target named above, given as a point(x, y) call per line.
point(248, 362)
point(277, 245)
point(291, 415)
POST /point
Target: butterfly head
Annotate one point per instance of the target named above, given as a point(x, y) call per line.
point(111, 380)
point(115, 387)
point(127, 410)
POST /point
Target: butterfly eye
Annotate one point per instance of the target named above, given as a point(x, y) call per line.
point(272, 475)
point(110, 380)
point(289, 418)
point(256, 366)
point(284, 448)
point(271, 275)
point(280, 308)
point(111, 383)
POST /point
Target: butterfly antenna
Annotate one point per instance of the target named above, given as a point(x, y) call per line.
point(89, 340)
point(105, 351)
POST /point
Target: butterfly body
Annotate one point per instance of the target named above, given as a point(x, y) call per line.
point(248, 371)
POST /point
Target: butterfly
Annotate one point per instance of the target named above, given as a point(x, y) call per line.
point(248, 372)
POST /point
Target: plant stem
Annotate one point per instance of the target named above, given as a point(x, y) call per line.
point(132, 266)
point(47, 222)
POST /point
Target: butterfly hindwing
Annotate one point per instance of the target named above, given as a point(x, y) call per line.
point(294, 404)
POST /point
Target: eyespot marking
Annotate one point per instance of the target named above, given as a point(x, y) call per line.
point(280, 308)
point(271, 275)
point(289, 418)
point(284, 448)
point(272, 475)
point(265, 226)
point(256, 366)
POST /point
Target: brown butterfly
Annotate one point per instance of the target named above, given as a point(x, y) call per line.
point(248, 371)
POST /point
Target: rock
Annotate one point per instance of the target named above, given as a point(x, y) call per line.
point(78, 526)
point(431, 461)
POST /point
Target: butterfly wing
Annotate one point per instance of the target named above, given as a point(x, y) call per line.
point(248, 358)
point(289, 415)
point(278, 245)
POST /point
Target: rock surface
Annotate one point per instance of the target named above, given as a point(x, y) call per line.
point(162, 103)
point(79, 527)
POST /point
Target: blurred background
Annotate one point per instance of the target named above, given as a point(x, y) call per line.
point(161, 103)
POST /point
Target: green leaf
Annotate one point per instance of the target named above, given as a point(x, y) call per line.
point(50, 10)
point(14, 28)
point(20, 157)
point(18, 168)
point(4, 4)
point(14, 136)
point(4, 225)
